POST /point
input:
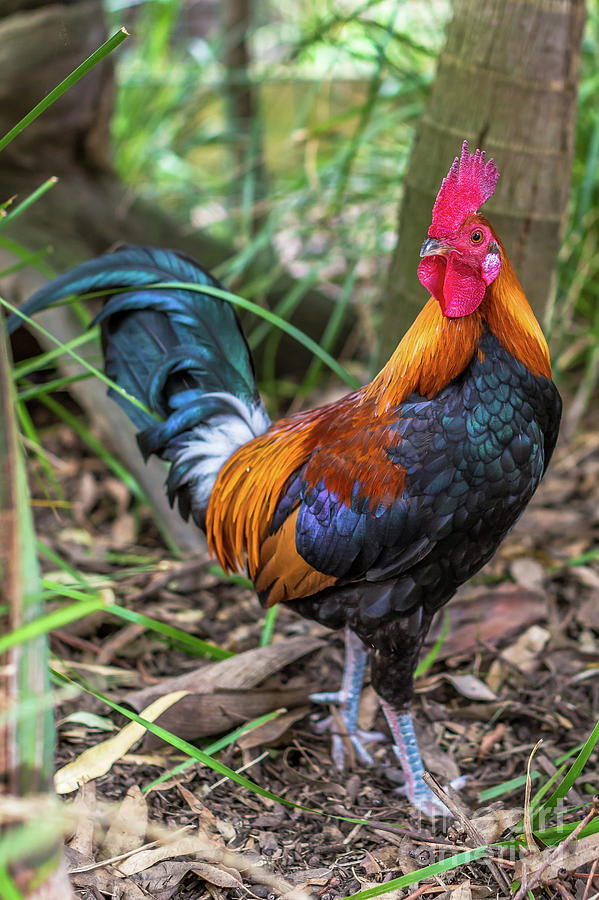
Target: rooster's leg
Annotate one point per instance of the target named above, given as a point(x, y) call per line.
point(406, 749)
point(348, 699)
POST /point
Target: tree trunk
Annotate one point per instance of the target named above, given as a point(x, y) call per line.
point(506, 81)
point(244, 115)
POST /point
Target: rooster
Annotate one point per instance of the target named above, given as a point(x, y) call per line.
point(369, 512)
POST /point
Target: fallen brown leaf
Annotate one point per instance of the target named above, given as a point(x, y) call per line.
point(123, 531)
point(528, 573)
point(493, 824)
point(105, 880)
point(470, 686)
point(85, 810)
point(162, 880)
point(462, 891)
point(185, 844)
point(524, 654)
point(240, 672)
point(220, 876)
point(271, 731)
point(202, 715)
point(581, 852)
point(488, 616)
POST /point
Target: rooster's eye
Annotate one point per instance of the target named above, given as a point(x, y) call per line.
point(476, 237)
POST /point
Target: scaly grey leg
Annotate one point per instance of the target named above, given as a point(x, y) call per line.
point(348, 698)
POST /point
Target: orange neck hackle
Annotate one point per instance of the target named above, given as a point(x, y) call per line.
point(436, 349)
point(509, 317)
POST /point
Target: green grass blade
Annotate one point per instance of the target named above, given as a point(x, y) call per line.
point(199, 755)
point(45, 360)
point(65, 348)
point(189, 641)
point(558, 833)
point(213, 748)
point(29, 431)
point(197, 645)
point(513, 784)
point(547, 786)
point(40, 833)
point(571, 775)
point(8, 889)
point(48, 387)
point(43, 550)
point(296, 333)
point(55, 619)
point(269, 625)
point(229, 577)
point(413, 878)
point(432, 654)
point(35, 195)
point(26, 257)
point(78, 73)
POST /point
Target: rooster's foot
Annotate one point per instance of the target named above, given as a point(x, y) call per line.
point(406, 749)
point(342, 731)
point(345, 726)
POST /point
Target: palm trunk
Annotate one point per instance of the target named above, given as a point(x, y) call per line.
point(507, 82)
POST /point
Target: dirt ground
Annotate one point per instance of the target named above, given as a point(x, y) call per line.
point(519, 664)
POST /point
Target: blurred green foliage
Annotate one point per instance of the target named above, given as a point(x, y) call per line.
point(339, 88)
point(338, 91)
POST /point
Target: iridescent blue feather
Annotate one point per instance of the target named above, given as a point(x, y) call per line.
point(181, 352)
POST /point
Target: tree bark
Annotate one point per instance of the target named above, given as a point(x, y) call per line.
point(243, 105)
point(507, 82)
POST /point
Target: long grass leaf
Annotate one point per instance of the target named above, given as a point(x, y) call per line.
point(189, 641)
point(78, 73)
point(414, 878)
point(199, 755)
point(29, 201)
point(65, 348)
point(296, 333)
point(432, 654)
point(58, 618)
point(211, 749)
point(571, 775)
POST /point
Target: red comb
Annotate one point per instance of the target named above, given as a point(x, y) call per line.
point(469, 183)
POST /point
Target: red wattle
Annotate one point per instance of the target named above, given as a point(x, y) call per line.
point(463, 288)
point(457, 287)
point(431, 274)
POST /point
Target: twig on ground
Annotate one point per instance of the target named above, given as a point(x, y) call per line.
point(590, 878)
point(527, 884)
point(530, 839)
point(470, 829)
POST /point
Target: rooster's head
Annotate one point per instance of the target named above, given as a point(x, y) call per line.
point(461, 255)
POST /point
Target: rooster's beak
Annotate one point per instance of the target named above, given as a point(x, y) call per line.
point(433, 247)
